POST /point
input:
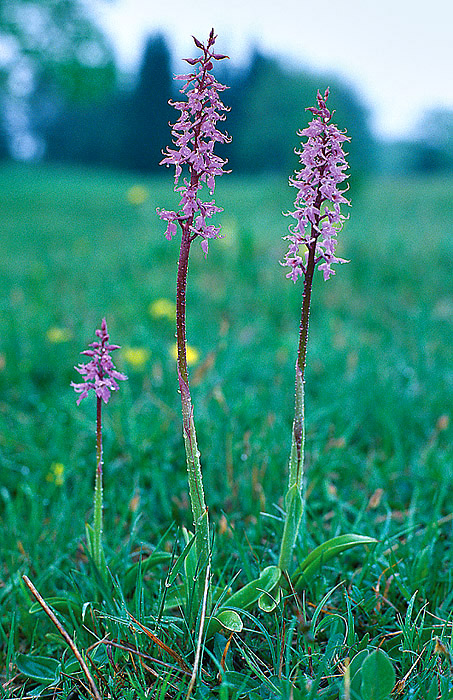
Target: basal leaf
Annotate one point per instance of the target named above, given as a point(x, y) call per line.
point(378, 676)
point(267, 602)
point(228, 619)
point(322, 554)
point(58, 603)
point(40, 668)
point(246, 596)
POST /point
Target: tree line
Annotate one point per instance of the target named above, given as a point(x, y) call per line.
point(129, 127)
point(91, 117)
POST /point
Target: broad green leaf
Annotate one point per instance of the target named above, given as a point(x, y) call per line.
point(89, 533)
point(322, 554)
point(70, 667)
point(40, 668)
point(226, 619)
point(242, 684)
point(355, 671)
point(191, 583)
point(267, 602)
point(356, 662)
point(246, 596)
point(91, 547)
point(378, 676)
point(175, 596)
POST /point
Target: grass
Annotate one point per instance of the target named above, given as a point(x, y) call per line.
point(379, 455)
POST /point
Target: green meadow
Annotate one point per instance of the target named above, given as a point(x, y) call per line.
point(80, 245)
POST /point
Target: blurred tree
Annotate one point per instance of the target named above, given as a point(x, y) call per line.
point(58, 37)
point(92, 134)
point(267, 104)
point(50, 41)
point(265, 115)
point(148, 111)
point(397, 158)
point(126, 130)
point(435, 142)
point(268, 108)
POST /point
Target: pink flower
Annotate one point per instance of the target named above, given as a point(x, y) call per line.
point(100, 373)
point(195, 134)
point(318, 199)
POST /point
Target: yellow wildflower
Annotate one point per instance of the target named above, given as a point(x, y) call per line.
point(56, 473)
point(229, 232)
point(136, 357)
point(137, 194)
point(55, 334)
point(192, 354)
point(162, 308)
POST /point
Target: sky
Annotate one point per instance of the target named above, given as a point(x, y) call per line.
point(396, 54)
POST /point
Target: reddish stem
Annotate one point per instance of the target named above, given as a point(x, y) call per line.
point(99, 435)
point(181, 285)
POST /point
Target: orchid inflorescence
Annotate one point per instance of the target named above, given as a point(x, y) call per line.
point(324, 163)
point(195, 134)
point(100, 373)
point(101, 377)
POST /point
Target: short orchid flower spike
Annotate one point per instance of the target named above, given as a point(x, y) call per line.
point(99, 373)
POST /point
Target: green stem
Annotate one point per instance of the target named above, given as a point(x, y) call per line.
point(194, 473)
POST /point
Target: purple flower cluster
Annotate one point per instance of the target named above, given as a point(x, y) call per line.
point(317, 204)
point(100, 373)
point(195, 134)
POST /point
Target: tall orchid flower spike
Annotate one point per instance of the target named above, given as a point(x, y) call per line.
point(195, 135)
point(102, 377)
point(317, 205)
point(312, 241)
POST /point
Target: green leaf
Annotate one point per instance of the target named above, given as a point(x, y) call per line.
point(294, 507)
point(326, 551)
point(40, 668)
point(241, 683)
point(144, 565)
point(378, 676)
point(89, 533)
point(175, 569)
point(228, 619)
point(175, 597)
point(267, 602)
point(246, 596)
point(60, 604)
point(432, 690)
point(191, 577)
point(355, 672)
